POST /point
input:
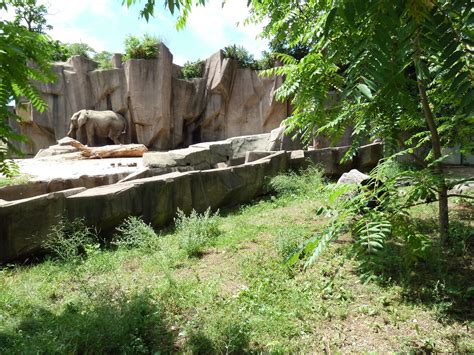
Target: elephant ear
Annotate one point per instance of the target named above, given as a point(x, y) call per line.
point(83, 117)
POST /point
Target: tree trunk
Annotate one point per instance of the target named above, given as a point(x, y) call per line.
point(443, 217)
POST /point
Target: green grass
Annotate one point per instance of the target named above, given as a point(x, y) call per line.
point(16, 180)
point(140, 296)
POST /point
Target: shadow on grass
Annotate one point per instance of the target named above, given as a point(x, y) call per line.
point(442, 278)
point(231, 339)
point(132, 325)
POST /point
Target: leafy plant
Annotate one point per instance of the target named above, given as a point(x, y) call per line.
point(104, 59)
point(196, 231)
point(240, 55)
point(82, 49)
point(19, 48)
point(267, 61)
point(134, 233)
point(391, 69)
point(193, 69)
point(288, 241)
point(144, 48)
point(71, 240)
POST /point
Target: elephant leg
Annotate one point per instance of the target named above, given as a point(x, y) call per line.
point(116, 140)
point(90, 137)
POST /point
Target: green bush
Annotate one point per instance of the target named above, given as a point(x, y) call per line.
point(266, 62)
point(71, 240)
point(196, 231)
point(241, 55)
point(134, 233)
point(192, 69)
point(145, 48)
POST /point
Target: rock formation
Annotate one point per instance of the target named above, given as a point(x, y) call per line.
point(162, 111)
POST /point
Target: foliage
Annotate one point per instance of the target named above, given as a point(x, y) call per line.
point(82, 49)
point(289, 240)
point(197, 231)
point(145, 48)
point(134, 233)
point(240, 55)
point(193, 69)
point(183, 7)
point(19, 48)
point(387, 68)
point(69, 241)
point(60, 52)
point(267, 61)
point(30, 14)
point(104, 59)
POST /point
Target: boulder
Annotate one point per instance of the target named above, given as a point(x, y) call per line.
point(353, 177)
point(278, 140)
point(221, 151)
point(197, 158)
point(243, 144)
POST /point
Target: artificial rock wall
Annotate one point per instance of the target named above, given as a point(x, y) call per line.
point(163, 112)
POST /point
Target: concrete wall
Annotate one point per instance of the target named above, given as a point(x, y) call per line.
point(24, 224)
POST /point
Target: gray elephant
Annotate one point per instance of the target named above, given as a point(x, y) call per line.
point(98, 123)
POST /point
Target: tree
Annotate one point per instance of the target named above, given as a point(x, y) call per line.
point(401, 70)
point(24, 58)
point(104, 59)
point(397, 67)
point(31, 15)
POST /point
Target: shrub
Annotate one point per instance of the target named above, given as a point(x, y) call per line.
point(197, 231)
point(134, 233)
point(241, 55)
point(193, 69)
point(266, 62)
point(71, 240)
point(145, 48)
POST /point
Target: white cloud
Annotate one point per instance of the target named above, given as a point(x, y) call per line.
point(216, 25)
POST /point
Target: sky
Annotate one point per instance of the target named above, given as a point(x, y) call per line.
point(104, 24)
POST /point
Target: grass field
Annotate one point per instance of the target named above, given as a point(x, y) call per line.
point(233, 294)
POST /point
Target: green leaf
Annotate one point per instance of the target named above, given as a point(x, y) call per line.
point(364, 89)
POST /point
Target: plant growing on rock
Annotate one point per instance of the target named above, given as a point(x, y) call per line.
point(193, 69)
point(240, 55)
point(144, 48)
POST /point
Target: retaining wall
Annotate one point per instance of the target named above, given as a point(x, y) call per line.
point(24, 224)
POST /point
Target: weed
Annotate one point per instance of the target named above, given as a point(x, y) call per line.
point(134, 233)
point(196, 231)
point(288, 241)
point(71, 240)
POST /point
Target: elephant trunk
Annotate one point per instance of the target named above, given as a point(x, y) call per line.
point(71, 133)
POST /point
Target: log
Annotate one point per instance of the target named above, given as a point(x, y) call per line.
point(110, 151)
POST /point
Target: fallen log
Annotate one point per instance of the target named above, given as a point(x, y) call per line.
point(110, 151)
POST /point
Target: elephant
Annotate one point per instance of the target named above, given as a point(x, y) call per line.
point(98, 123)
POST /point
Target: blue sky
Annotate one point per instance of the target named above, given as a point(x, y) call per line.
point(104, 24)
